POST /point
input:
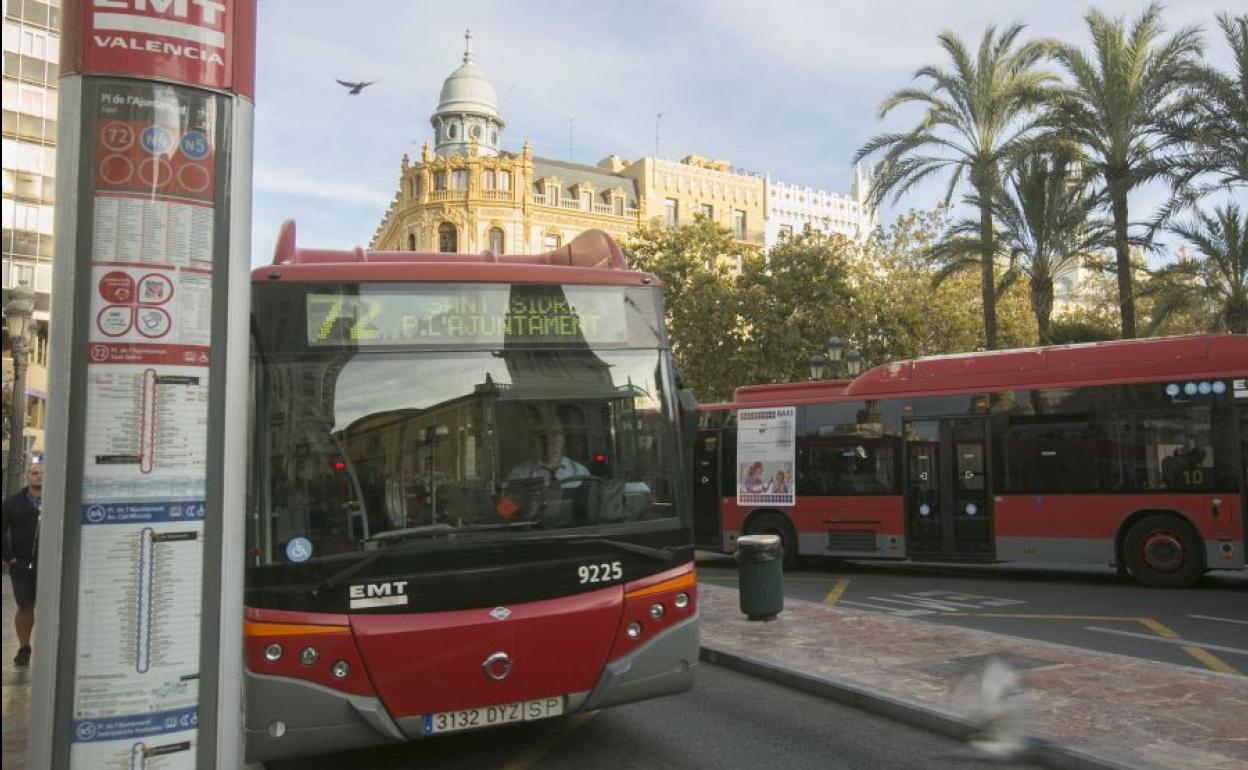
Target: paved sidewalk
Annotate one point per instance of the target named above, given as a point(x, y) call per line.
point(1098, 710)
point(16, 692)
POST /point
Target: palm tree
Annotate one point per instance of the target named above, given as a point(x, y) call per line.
point(1213, 129)
point(1217, 277)
point(1116, 111)
point(979, 117)
point(1045, 231)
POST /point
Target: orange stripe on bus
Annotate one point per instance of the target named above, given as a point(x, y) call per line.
point(252, 628)
point(684, 581)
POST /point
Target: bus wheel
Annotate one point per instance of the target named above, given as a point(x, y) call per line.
point(1163, 552)
point(776, 524)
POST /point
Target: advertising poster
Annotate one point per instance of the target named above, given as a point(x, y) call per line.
point(765, 456)
point(144, 476)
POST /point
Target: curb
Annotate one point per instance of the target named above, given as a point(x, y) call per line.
point(1048, 754)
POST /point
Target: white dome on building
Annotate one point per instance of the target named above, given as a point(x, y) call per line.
point(467, 110)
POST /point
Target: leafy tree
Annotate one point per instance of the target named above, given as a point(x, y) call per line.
point(979, 117)
point(1117, 110)
point(1213, 129)
point(1079, 327)
point(794, 297)
point(697, 265)
point(1044, 232)
point(1216, 279)
point(896, 312)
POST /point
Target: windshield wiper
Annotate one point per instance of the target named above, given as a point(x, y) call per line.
point(664, 553)
point(392, 538)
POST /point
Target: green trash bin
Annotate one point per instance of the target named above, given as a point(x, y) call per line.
point(760, 565)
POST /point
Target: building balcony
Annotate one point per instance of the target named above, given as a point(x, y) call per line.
point(572, 204)
point(448, 195)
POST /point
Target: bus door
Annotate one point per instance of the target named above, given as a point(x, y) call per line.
point(706, 488)
point(948, 499)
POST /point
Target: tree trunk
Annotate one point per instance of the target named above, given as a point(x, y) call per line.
point(1042, 306)
point(1236, 314)
point(1122, 251)
point(987, 275)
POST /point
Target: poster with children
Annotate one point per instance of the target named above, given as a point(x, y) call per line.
point(765, 456)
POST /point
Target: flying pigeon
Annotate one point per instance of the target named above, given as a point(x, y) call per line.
point(355, 88)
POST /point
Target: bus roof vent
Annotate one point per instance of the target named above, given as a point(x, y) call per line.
point(592, 249)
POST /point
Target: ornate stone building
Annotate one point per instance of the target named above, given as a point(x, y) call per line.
point(468, 195)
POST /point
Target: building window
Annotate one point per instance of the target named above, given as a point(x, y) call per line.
point(487, 179)
point(671, 212)
point(786, 232)
point(459, 179)
point(617, 205)
point(448, 242)
point(551, 242)
point(496, 240)
point(552, 194)
point(439, 180)
point(738, 224)
point(504, 180)
point(707, 210)
point(411, 241)
point(451, 131)
point(587, 201)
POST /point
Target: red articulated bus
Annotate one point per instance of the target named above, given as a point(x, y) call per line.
point(466, 506)
point(1129, 454)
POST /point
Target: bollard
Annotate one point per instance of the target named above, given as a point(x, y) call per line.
point(760, 563)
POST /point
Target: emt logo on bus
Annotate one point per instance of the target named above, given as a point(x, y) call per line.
point(389, 594)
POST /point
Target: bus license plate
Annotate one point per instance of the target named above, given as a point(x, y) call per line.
point(488, 716)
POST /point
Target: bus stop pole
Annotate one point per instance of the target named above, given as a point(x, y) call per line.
point(139, 606)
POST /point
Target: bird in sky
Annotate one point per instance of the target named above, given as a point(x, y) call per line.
point(355, 88)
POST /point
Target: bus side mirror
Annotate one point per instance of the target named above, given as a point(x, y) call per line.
point(688, 418)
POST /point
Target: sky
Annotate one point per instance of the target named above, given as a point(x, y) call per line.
point(788, 87)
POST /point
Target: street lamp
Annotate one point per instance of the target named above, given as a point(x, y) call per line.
point(17, 314)
point(853, 362)
point(834, 355)
point(817, 363)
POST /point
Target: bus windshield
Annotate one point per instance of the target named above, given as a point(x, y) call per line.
point(358, 448)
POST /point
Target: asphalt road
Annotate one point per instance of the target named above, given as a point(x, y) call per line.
point(1205, 626)
point(729, 721)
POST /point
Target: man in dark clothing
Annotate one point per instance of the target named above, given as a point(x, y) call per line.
point(21, 547)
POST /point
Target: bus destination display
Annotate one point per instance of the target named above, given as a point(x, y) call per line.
point(480, 315)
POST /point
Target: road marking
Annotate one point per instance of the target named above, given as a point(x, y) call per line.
point(1198, 650)
point(1169, 640)
point(1210, 660)
point(1220, 620)
point(529, 757)
point(834, 595)
point(898, 611)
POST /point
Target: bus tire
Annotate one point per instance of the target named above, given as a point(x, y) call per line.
point(771, 523)
point(1163, 551)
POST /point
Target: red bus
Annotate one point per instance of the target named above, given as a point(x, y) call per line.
point(465, 504)
point(1129, 454)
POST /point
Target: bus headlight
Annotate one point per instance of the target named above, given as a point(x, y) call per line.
point(656, 611)
point(682, 600)
point(634, 630)
point(309, 656)
point(340, 669)
point(273, 652)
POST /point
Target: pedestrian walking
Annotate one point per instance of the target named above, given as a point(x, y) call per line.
point(21, 548)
